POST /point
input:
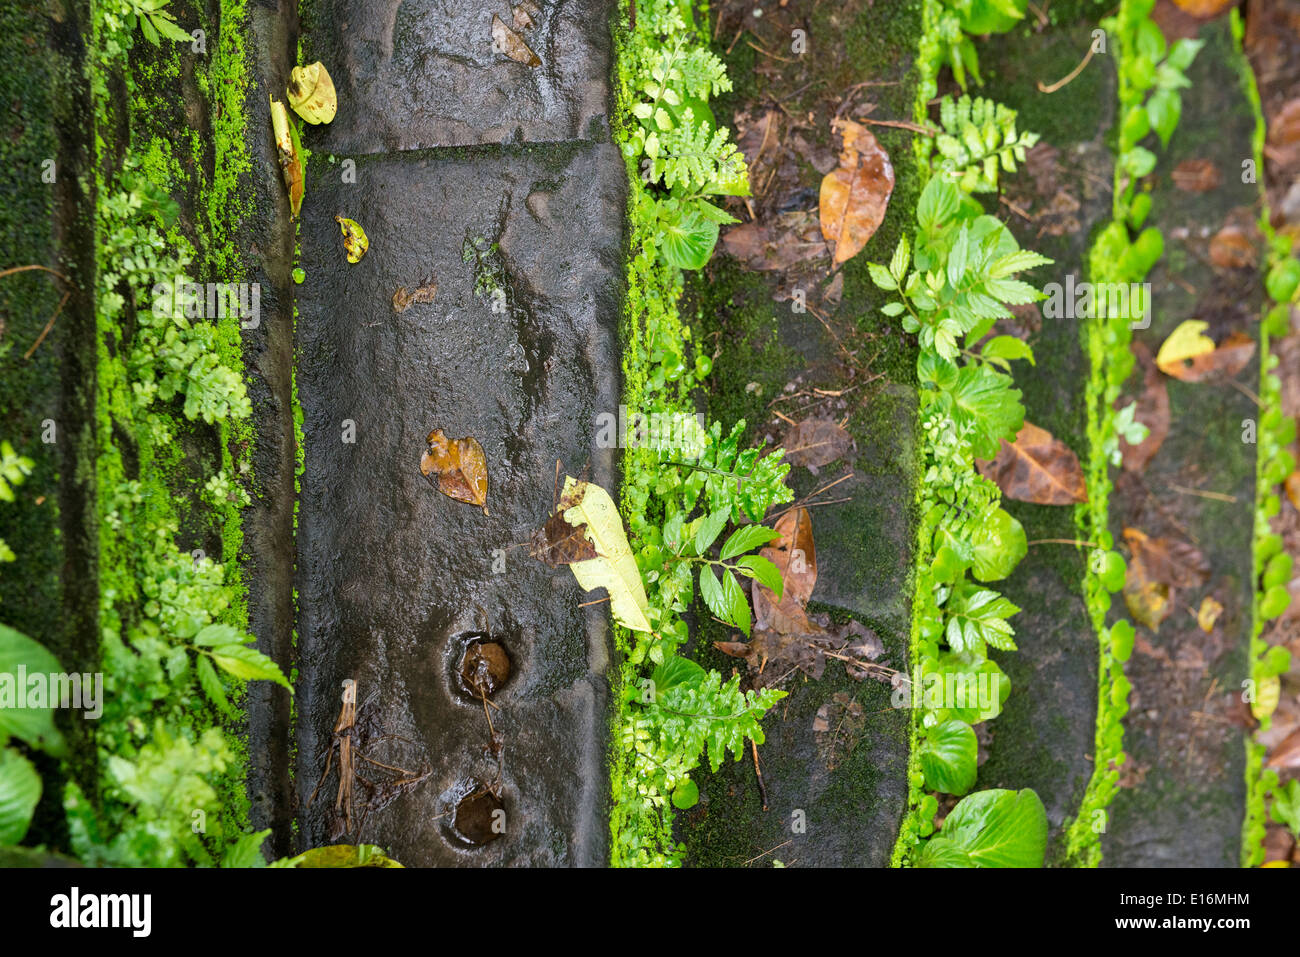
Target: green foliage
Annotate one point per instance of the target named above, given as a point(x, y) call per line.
point(961, 19)
point(979, 138)
point(954, 281)
point(155, 21)
point(1286, 805)
point(680, 154)
point(14, 469)
point(995, 828)
point(20, 785)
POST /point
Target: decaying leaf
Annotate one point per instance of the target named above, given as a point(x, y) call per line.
point(1197, 176)
point(460, 467)
point(311, 93)
point(559, 543)
point(1268, 692)
point(1204, 9)
point(1292, 486)
point(1286, 753)
point(1148, 601)
point(785, 637)
point(1152, 411)
point(816, 442)
point(794, 553)
point(1168, 560)
point(355, 240)
point(1190, 355)
point(509, 43)
point(1231, 248)
point(288, 152)
point(525, 15)
point(1208, 613)
point(614, 567)
point(855, 195)
point(425, 292)
point(794, 239)
point(1037, 468)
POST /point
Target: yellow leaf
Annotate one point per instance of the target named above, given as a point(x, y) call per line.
point(1267, 694)
point(355, 241)
point(614, 567)
point(1208, 614)
point(1186, 342)
point(311, 93)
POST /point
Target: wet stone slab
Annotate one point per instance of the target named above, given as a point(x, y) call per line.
point(424, 73)
point(519, 349)
point(1183, 792)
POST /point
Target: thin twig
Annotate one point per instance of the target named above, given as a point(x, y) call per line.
point(762, 788)
point(1053, 87)
point(1216, 496)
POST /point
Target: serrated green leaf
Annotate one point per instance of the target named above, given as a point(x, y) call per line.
point(745, 539)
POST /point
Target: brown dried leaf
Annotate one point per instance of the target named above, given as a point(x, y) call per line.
point(816, 442)
point(1197, 176)
point(1168, 560)
point(795, 555)
point(524, 15)
point(402, 299)
point(1292, 486)
point(559, 543)
point(1284, 126)
point(1152, 411)
point(1148, 601)
point(1231, 248)
point(794, 238)
point(854, 196)
point(1205, 9)
point(1286, 753)
point(460, 467)
point(1208, 361)
point(509, 43)
point(1037, 468)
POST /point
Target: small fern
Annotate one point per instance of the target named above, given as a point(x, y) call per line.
point(979, 138)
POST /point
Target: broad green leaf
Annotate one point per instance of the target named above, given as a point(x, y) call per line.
point(247, 851)
point(745, 539)
point(1164, 108)
point(688, 240)
point(711, 592)
point(996, 828)
point(939, 202)
point(965, 689)
point(987, 400)
point(686, 795)
point(763, 571)
point(737, 605)
point(249, 664)
point(999, 545)
point(1007, 347)
point(213, 635)
point(676, 671)
point(614, 567)
point(881, 277)
point(210, 682)
point(978, 616)
point(709, 529)
point(20, 790)
point(34, 726)
point(948, 757)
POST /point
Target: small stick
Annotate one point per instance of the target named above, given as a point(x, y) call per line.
point(598, 601)
point(900, 124)
point(762, 788)
point(769, 851)
point(1053, 87)
point(766, 54)
point(1063, 541)
point(1217, 496)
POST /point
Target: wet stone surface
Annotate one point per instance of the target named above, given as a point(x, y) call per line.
point(420, 74)
point(1044, 738)
point(518, 348)
point(1183, 796)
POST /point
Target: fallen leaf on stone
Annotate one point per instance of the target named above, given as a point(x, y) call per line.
point(816, 442)
point(1197, 176)
point(1148, 601)
point(1286, 753)
point(794, 554)
point(1208, 613)
point(1231, 248)
point(1168, 560)
point(855, 195)
point(524, 15)
point(1190, 355)
point(1152, 411)
point(509, 43)
point(1292, 486)
point(355, 241)
point(1038, 468)
point(402, 299)
point(1205, 9)
point(459, 466)
point(311, 93)
point(289, 155)
point(559, 543)
point(1268, 692)
point(614, 567)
